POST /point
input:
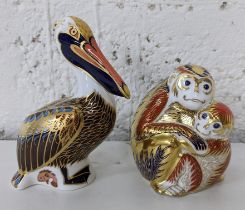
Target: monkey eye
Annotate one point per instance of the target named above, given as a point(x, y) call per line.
point(204, 115)
point(217, 125)
point(187, 82)
point(206, 86)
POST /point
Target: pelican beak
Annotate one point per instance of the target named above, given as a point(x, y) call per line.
point(126, 92)
point(108, 68)
point(108, 77)
point(79, 46)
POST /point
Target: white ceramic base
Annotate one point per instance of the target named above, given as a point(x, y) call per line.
point(53, 177)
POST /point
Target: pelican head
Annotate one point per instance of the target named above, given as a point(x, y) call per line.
point(77, 43)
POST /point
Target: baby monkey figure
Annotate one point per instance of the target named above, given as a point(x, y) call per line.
point(214, 122)
point(194, 172)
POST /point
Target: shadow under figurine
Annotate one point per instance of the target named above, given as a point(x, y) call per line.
point(54, 142)
point(180, 134)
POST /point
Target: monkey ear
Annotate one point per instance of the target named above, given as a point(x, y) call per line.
point(171, 79)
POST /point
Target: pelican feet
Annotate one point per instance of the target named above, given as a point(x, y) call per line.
point(80, 177)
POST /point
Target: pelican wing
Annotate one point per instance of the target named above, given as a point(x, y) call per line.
point(45, 134)
point(59, 102)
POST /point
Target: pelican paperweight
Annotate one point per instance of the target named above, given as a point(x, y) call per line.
point(54, 142)
point(180, 133)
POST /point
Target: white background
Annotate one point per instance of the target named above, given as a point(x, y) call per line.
point(144, 40)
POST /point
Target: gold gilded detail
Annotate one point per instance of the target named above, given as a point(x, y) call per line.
point(83, 28)
point(63, 132)
point(182, 150)
point(176, 113)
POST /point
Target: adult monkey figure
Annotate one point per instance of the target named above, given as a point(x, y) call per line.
point(164, 120)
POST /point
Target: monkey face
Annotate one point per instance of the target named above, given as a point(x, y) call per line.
point(191, 91)
point(216, 121)
point(207, 126)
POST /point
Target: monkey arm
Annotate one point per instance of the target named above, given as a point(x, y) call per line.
point(189, 139)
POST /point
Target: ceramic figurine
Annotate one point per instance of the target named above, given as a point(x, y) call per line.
point(180, 134)
point(54, 142)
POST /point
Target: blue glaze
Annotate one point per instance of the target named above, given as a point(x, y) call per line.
point(100, 76)
point(204, 116)
point(187, 82)
point(216, 125)
point(45, 113)
point(206, 86)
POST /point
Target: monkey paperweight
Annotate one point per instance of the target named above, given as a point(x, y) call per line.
point(180, 134)
point(54, 142)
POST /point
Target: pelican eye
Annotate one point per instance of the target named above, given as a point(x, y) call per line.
point(73, 31)
point(216, 125)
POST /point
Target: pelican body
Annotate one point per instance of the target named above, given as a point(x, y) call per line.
point(54, 142)
point(180, 134)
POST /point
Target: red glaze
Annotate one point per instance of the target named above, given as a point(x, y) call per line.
point(153, 109)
